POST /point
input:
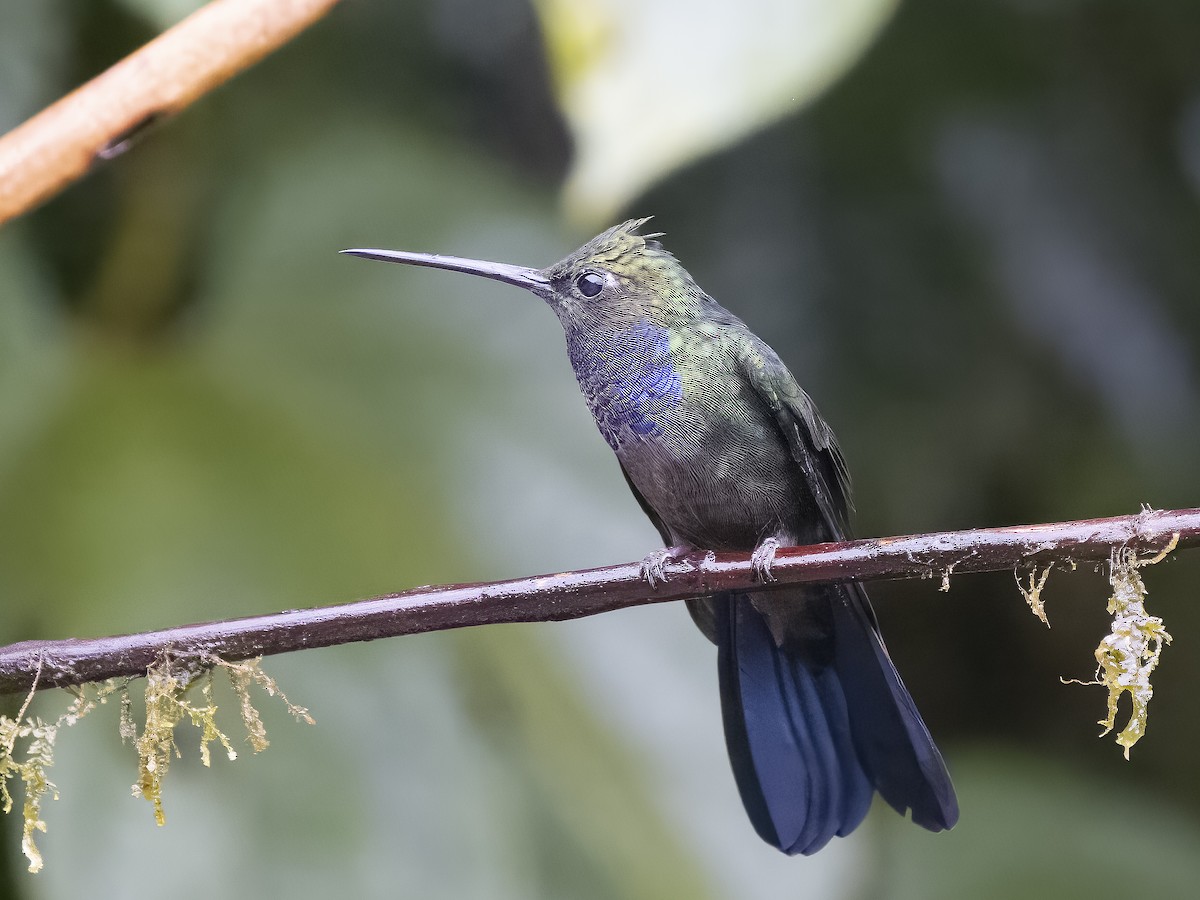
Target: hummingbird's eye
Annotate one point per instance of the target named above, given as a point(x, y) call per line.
point(589, 284)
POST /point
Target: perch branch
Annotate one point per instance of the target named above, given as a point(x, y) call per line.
point(571, 595)
point(96, 121)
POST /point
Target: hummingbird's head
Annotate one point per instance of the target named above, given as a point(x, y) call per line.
point(617, 275)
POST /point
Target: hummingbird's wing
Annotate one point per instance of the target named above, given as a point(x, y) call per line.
point(810, 440)
point(769, 680)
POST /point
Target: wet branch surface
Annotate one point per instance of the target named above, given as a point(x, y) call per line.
point(572, 595)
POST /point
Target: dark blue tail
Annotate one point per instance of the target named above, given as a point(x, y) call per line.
point(814, 730)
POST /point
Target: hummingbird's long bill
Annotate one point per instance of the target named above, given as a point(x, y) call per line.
point(521, 276)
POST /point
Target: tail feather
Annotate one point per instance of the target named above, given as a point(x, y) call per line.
point(892, 740)
point(789, 737)
point(810, 742)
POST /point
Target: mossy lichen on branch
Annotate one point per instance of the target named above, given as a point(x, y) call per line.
point(168, 684)
point(1033, 593)
point(1130, 652)
point(38, 756)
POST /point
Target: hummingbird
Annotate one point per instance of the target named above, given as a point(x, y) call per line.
point(724, 451)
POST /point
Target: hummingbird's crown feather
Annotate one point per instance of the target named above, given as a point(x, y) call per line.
point(617, 247)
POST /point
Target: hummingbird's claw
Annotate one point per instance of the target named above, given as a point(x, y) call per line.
point(654, 566)
point(763, 558)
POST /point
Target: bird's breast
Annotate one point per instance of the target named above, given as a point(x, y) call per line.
point(630, 381)
point(684, 423)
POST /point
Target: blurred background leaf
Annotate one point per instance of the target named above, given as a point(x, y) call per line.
point(650, 85)
point(977, 251)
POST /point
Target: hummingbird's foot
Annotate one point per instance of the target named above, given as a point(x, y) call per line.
point(763, 558)
point(654, 566)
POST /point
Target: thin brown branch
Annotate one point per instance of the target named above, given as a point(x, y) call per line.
point(60, 144)
point(571, 595)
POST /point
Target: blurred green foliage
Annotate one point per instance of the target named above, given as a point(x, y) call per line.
point(977, 251)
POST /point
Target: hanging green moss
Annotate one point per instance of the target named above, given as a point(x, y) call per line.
point(1130, 652)
point(27, 742)
point(29, 764)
